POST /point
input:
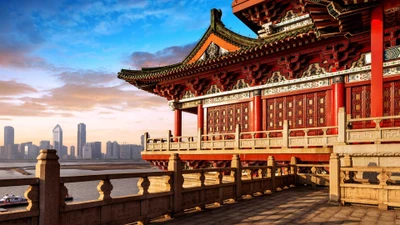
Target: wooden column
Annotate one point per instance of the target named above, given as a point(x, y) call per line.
point(200, 117)
point(377, 61)
point(178, 122)
point(338, 98)
point(257, 117)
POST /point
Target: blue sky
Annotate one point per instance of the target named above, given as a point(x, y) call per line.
point(59, 61)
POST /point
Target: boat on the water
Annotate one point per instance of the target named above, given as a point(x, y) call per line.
point(15, 200)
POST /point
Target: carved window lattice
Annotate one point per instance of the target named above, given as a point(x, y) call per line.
point(223, 119)
point(305, 110)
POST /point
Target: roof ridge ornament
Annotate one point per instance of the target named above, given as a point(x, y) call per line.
point(216, 15)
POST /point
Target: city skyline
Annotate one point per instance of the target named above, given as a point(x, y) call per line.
point(49, 77)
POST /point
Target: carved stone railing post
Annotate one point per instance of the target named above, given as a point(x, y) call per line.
point(199, 139)
point(334, 176)
point(218, 180)
point(383, 177)
point(271, 163)
point(202, 179)
point(145, 137)
point(63, 195)
point(143, 186)
point(175, 165)
point(48, 172)
point(169, 135)
point(32, 195)
point(285, 134)
point(237, 137)
point(238, 175)
point(104, 188)
point(341, 139)
point(347, 161)
point(293, 170)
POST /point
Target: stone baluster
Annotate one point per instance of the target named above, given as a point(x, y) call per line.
point(285, 134)
point(145, 137)
point(202, 179)
point(143, 186)
point(169, 135)
point(271, 163)
point(342, 124)
point(219, 180)
point(293, 166)
point(48, 172)
point(279, 174)
point(383, 198)
point(199, 139)
point(238, 175)
point(63, 195)
point(104, 188)
point(237, 136)
point(175, 165)
point(32, 195)
point(334, 172)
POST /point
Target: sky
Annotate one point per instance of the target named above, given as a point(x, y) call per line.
point(59, 61)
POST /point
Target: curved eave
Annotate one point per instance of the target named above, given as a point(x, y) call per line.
point(269, 45)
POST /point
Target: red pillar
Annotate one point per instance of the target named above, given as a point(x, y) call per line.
point(377, 61)
point(178, 123)
point(257, 123)
point(338, 98)
point(200, 117)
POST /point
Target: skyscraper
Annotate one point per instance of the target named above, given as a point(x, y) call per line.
point(9, 142)
point(58, 139)
point(72, 151)
point(81, 139)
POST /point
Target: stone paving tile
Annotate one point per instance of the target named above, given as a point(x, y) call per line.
point(294, 206)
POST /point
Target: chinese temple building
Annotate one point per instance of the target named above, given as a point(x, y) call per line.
point(322, 76)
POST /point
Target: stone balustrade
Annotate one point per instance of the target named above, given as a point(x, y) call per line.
point(375, 185)
point(171, 194)
point(348, 132)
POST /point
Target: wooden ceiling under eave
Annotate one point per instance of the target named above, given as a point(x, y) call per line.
point(255, 13)
point(333, 18)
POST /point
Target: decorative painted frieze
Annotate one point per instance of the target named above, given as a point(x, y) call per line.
point(276, 77)
point(295, 87)
point(313, 69)
point(226, 98)
point(213, 90)
point(191, 104)
point(188, 94)
point(240, 84)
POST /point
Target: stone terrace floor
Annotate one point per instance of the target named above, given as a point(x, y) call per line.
point(300, 205)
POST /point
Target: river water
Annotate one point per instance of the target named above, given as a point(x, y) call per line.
point(82, 191)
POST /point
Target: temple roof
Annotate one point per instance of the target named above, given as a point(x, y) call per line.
point(231, 46)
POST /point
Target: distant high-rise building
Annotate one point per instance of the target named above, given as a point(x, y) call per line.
point(72, 151)
point(58, 140)
point(44, 145)
point(9, 142)
point(81, 139)
point(64, 152)
point(87, 151)
point(112, 150)
point(96, 150)
point(31, 151)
